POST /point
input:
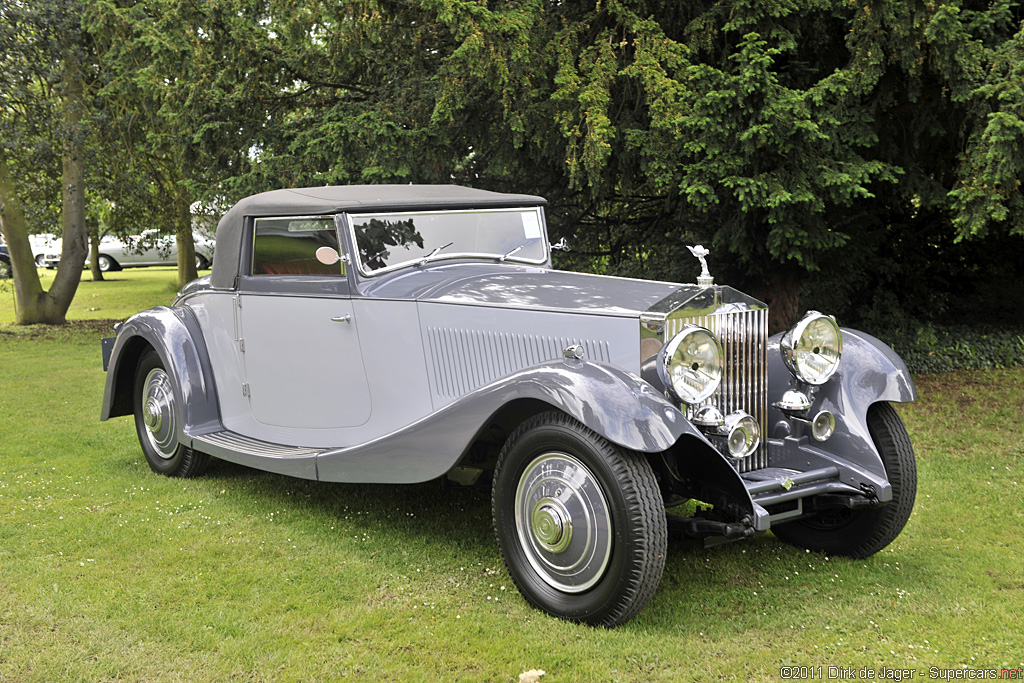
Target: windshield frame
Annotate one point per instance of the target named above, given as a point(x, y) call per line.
point(444, 255)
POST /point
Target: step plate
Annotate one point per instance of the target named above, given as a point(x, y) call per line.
point(236, 443)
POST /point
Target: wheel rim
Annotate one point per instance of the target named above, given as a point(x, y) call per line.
point(563, 522)
point(158, 413)
point(104, 263)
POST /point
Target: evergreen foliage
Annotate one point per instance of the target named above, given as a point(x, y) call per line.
point(865, 157)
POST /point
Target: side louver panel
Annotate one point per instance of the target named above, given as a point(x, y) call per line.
point(464, 360)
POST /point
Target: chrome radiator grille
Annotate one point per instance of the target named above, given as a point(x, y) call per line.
point(744, 336)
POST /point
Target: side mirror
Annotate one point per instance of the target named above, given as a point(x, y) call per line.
point(327, 256)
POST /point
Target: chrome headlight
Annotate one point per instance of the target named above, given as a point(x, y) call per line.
point(691, 364)
point(812, 348)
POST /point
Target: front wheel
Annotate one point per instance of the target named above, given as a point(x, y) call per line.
point(579, 522)
point(156, 421)
point(201, 262)
point(861, 533)
point(5, 269)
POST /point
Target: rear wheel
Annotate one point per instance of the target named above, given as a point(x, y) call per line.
point(860, 533)
point(201, 262)
point(5, 268)
point(156, 421)
point(106, 263)
point(579, 522)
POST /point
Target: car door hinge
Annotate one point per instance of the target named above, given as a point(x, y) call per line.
point(241, 345)
point(245, 390)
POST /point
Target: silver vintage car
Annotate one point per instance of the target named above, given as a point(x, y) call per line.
point(398, 334)
point(147, 249)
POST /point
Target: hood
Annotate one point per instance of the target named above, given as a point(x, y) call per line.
point(522, 287)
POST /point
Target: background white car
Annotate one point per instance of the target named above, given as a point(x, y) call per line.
point(147, 249)
point(42, 245)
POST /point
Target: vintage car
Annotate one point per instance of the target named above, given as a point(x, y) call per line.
point(5, 262)
point(147, 249)
point(41, 246)
point(401, 334)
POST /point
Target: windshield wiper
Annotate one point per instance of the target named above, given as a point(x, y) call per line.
point(519, 248)
point(434, 253)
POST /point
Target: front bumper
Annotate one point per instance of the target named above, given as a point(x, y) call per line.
point(805, 477)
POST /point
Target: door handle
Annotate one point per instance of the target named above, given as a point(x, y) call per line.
point(347, 318)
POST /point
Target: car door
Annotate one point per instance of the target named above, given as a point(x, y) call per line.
point(298, 342)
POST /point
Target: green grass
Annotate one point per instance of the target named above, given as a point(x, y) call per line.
point(121, 294)
point(111, 572)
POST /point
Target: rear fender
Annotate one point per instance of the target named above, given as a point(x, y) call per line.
point(174, 334)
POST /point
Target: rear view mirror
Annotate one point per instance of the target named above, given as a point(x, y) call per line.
point(327, 256)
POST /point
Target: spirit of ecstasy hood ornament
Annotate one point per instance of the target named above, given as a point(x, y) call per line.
point(704, 279)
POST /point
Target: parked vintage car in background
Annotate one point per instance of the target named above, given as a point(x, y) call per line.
point(41, 246)
point(5, 262)
point(148, 249)
point(401, 333)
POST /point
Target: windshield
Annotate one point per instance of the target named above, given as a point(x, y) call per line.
point(385, 241)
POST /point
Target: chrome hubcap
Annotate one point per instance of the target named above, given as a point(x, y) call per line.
point(151, 415)
point(563, 522)
point(158, 413)
point(551, 525)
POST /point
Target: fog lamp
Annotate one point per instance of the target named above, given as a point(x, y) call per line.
point(742, 434)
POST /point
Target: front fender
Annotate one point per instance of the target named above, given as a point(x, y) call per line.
point(174, 334)
point(870, 372)
point(618, 405)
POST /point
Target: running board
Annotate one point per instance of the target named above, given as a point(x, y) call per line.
point(295, 461)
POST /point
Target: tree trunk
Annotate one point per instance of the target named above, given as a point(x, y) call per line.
point(27, 288)
point(33, 304)
point(782, 294)
point(54, 305)
point(94, 257)
point(183, 235)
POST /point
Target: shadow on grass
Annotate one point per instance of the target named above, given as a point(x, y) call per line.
point(428, 510)
point(99, 327)
point(453, 524)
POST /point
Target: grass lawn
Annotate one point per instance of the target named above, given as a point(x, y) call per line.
point(117, 297)
point(111, 572)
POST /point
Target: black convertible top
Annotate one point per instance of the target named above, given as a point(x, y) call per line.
point(319, 201)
